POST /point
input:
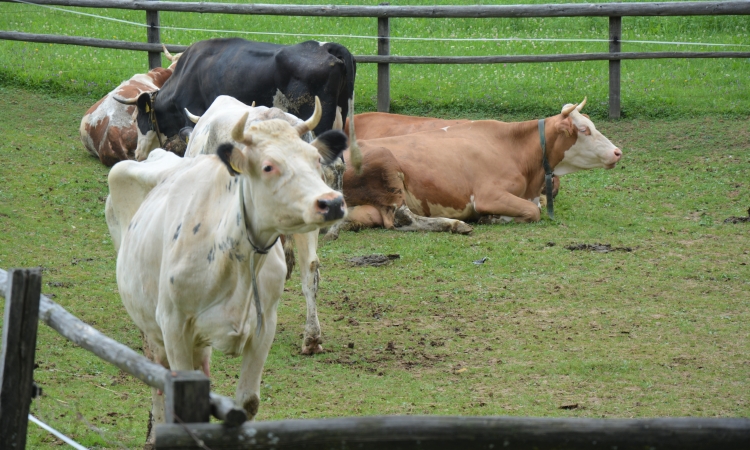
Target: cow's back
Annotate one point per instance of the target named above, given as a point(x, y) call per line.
point(376, 125)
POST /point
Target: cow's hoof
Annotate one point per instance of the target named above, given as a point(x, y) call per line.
point(312, 349)
point(331, 235)
point(461, 227)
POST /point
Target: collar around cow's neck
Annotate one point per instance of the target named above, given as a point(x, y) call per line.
point(256, 249)
point(152, 118)
point(547, 171)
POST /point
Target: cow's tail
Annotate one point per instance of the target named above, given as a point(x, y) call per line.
point(347, 102)
point(287, 241)
point(355, 154)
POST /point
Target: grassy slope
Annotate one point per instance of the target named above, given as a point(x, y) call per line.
point(659, 331)
point(656, 88)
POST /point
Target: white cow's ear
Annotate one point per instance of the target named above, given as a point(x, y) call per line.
point(233, 158)
point(330, 145)
point(565, 126)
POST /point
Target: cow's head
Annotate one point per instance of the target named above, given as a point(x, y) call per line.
point(591, 150)
point(145, 118)
point(282, 174)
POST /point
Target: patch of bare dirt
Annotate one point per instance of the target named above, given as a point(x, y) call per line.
point(373, 260)
point(599, 248)
point(734, 219)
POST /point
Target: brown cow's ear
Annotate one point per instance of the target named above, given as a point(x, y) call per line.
point(232, 157)
point(566, 126)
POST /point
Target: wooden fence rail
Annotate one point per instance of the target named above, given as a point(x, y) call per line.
point(383, 12)
point(461, 433)
point(187, 393)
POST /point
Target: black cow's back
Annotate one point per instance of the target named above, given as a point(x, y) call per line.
point(258, 72)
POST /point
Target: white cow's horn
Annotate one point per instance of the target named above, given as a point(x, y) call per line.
point(193, 118)
point(312, 122)
point(580, 107)
point(568, 110)
point(238, 132)
point(125, 101)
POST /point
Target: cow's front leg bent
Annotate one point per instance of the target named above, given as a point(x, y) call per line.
point(307, 245)
point(405, 220)
point(508, 205)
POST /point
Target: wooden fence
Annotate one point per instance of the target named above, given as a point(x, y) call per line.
point(384, 13)
point(187, 394)
point(189, 404)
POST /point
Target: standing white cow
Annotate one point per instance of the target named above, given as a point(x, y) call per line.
point(213, 128)
point(199, 262)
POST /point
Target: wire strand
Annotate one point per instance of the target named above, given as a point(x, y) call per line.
point(57, 434)
point(392, 38)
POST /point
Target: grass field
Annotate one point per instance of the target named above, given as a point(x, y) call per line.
point(661, 330)
point(650, 88)
point(659, 327)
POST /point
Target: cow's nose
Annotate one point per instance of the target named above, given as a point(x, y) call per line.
point(618, 153)
point(332, 208)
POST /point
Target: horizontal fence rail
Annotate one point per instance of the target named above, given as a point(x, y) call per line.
point(461, 433)
point(383, 13)
point(479, 11)
point(380, 59)
point(120, 355)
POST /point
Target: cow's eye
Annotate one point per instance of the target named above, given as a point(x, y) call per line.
point(267, 168)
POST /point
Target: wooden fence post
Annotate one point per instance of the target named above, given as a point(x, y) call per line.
point(186, 397)
point(153, 37)
point(384, 69)
point(615, 35)
point(17, 364)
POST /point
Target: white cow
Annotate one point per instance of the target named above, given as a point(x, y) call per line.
point(199, 262)
point(212, 128)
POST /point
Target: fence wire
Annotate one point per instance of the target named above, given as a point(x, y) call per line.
point(392, 38)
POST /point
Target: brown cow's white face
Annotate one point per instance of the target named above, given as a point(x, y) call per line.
point(592, 149)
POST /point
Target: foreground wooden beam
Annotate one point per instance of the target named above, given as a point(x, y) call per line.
point(462, 433)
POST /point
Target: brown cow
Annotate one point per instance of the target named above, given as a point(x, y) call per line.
point(486, 171)
point(108, 129)
point(378, 125)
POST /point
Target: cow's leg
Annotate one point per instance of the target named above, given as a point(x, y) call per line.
point(405, 220)
point(358, 218)
point(501, 203)
point(157, 354)
point(307, 245)
point(271, 286)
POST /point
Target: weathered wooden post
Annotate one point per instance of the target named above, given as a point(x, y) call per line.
point(17, 364)
point(186, 397)
point(384, 69)
point(153, 36)
point(615, 34)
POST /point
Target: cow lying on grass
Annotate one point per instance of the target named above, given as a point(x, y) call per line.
point(199, 263)
point(486, 171)
point(108, 129)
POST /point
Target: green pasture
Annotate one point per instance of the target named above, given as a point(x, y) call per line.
point(650, 88)
point(659, 326)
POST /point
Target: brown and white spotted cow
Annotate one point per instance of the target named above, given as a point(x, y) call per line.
point(486, 171)
point(108, 129)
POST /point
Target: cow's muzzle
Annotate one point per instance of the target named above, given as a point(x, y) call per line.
point(332, 208)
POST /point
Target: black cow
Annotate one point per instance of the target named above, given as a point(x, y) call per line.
point(285, 76)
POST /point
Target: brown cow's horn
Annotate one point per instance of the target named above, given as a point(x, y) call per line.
point(313, 121)
point(568, 110)
point(238, 132)
point(125, 101)
point(583, 103)
point(166, 53)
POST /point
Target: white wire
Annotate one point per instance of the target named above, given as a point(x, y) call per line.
point(59, 435)
point(393, 38)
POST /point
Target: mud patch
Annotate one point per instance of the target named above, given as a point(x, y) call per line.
point(738, 219)
point(599, 248)
point(373, 260)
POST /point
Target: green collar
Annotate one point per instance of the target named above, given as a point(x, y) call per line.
point(547, 171)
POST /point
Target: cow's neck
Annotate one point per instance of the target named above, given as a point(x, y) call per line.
point(260, 240)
